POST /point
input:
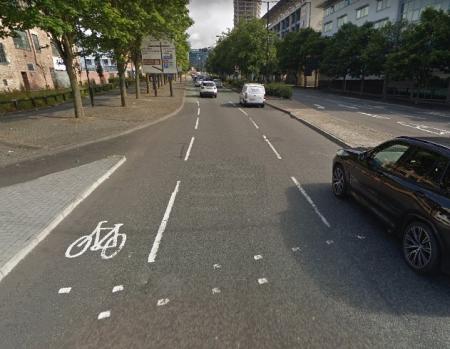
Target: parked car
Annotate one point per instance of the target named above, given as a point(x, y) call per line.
point(218, 83)
point(406, 182)
point(252, 94)
point(208, 88)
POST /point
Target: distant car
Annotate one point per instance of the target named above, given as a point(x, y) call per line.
point(208, 88)
point(252, 94)
point(198, 82)
point(218, 83)
point(406, 182)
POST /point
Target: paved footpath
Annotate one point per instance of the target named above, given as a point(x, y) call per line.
point(32, 134)
point(29, 211)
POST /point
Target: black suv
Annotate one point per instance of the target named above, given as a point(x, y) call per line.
point(406, 182)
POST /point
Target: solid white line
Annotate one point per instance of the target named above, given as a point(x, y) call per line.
point(117, 288)
point(6, 268)
point(272, 147)
point(64, 290)
point(254, 123)
point(305, 194)
point(319, 106)
point(162, 227)
point(196, 124)
point(189, 149)
point(243, 111)
point(198, 111)
point(104, 314)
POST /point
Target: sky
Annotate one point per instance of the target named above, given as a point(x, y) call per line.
point(211, 17)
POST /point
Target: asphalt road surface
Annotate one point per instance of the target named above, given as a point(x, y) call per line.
point(233, 240)
point(391, 118)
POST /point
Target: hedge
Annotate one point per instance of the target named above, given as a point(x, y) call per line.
point(278, 90)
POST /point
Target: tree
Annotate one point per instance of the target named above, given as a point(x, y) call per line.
point(61, 19)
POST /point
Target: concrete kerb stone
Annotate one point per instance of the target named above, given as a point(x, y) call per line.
point(327, 135)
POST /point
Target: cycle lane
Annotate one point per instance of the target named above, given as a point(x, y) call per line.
point(48, 295)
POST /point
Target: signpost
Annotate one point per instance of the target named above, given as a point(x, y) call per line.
point(159, 57)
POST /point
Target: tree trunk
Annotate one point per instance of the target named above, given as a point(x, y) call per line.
point(147, 83)
point(68, 59)
point(137, 82)
point(155, 89)
point(385, 86)
point(122, 85)
point(305, 82)
point(361, 86)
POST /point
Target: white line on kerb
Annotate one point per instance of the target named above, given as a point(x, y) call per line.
point(162, 227)
point(243, 111)
point(319, 106)
point(196, 124)
point(189, 149)
point(305, 194)
point(254, 123)
point(272, 147)
point(198, 111)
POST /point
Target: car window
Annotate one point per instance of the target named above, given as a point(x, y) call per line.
point(210, 84)
point(388, 156)
point(424, 166)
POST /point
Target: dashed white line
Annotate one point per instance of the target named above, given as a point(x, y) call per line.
point(262, 281)
point(64, 290)
point(311, 202)
point(272, 147)
point(196, 124)
point(198, 111)
point(198, 104)
point(162, 301)
point(257, 257)
point(104, 315)
point(347, 106)
point(318, 106)
point(243, 111)
point(117, 288)
point(374, 116)
point(295, 249)
point(254, 123)
point(186, 158)
point(162, 227)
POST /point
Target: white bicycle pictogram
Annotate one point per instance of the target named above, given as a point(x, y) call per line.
point(110, 244)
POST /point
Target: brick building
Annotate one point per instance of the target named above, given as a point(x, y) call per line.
point(26, 61)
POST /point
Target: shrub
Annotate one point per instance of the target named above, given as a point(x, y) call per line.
point(279, 90)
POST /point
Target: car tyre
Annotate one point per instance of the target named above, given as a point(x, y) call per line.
point(339, 182)
point(420, 247)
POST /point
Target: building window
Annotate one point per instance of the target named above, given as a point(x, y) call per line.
point(341, 21)
point(88, 61)
point(340, 5)
point(30, 66)
point(327, 27)
point(381, 23)
point(2, 54)
point(362, 12)
point(329, 11)
point(37, 45)
point(105, 61)
point(21, 40)
point(382, 4)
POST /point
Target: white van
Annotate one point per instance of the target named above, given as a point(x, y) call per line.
point(252, 94)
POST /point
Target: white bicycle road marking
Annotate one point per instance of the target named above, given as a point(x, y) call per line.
point(110, 244)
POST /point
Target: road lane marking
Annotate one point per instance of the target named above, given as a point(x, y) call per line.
point(262, 281)
point(360, 237)
point(318, 106)
point(64, 290)
point(329, 242)
point(215, 290)
point(217, 266)
point(375, 116)
point(117, 288)
point(272, 147)
point(162, 301)
point(347, 106)
point(198, 111)
point(196, 124)
point(186, 158)
point(198, 104)
point(311, 202)
point(104, 315)
point(254, 123)
point(243, 111)
point(257, 257)
point(295, 249)
point(162, 227)
point(425, 128)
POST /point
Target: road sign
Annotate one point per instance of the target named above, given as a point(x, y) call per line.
point(158, 56)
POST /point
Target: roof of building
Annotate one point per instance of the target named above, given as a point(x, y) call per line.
point(280, 6)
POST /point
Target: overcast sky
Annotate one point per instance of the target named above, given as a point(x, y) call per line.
point(211, 17)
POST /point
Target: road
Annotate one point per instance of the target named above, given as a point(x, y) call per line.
point(233, 240)
point(391, 118)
